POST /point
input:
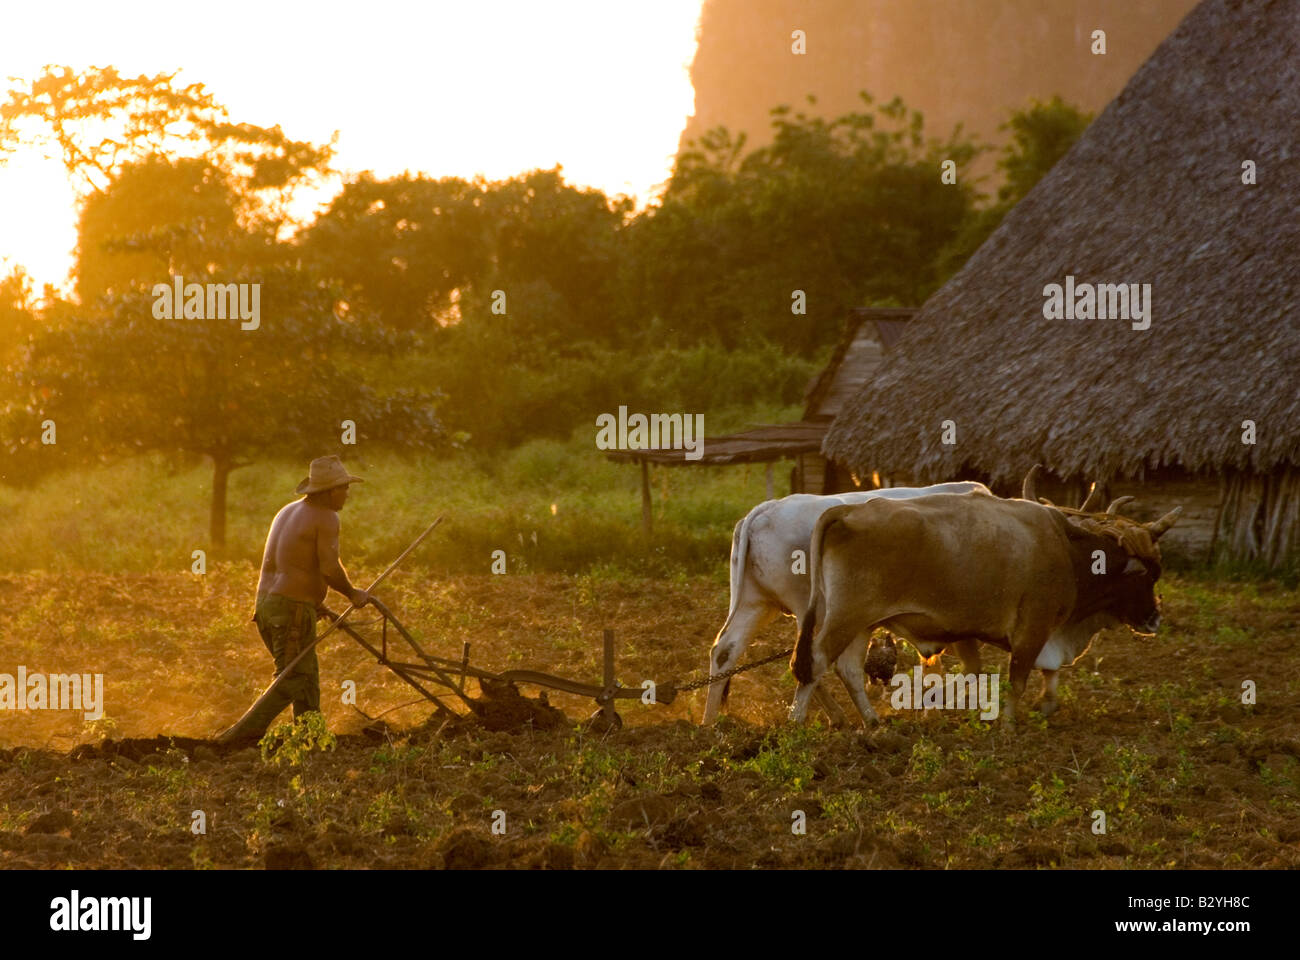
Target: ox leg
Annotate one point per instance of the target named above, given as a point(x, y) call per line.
point(831, 640)
point(1050, 704)
point(849, 667)
point(969, 651)
point(1021, 666)
point(799, 709)
point(733, 639)
point(834, 713)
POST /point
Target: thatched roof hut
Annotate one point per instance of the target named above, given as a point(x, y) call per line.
point(1153, 193)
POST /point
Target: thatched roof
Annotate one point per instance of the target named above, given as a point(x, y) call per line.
point(1152, 193)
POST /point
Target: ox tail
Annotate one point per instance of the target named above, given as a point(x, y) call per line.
point(801, 662)
point(739, 554)
point(801, 659)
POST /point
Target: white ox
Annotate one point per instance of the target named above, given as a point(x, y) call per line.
point(764, 583)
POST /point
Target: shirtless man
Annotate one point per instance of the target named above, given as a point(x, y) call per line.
point(300, 562)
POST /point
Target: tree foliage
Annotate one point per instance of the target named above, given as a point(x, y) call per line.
point(130, 380)
point(424, 254)
point(517, 306)
point(180, 191)
point(98, 121)
point(1041, 134)
point(850, 211)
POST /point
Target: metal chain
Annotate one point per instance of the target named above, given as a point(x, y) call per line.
point(719, 677)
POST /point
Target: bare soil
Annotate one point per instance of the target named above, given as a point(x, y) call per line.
point(1152, 733)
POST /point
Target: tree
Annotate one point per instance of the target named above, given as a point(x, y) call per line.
point(134, 381)
point(177, 189)
point(850, 211)
point(99, 122)
point(403, 248)
point(147, 133)
point(161, 218)
point(423, 254)
point(1041, 134)
point(18, 318)
point(561, 247)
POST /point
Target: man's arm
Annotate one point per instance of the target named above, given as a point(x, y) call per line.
point(327, 550)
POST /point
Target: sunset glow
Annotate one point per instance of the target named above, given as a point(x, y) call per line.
point(494, 87)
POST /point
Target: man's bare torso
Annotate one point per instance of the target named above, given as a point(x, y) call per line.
point(292, 561)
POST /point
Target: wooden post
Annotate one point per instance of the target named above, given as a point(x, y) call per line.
point(645, 496)
point(607, 708)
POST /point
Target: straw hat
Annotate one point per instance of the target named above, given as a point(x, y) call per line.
point(326, 473)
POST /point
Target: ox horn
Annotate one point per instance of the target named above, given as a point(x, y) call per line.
point(1092, 502)
point(1159, 528)
point(1113, 509)
point(1029, 489)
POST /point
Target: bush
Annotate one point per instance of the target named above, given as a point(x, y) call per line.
point(502, 402)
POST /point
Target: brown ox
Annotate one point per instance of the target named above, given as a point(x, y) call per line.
point(953, 570)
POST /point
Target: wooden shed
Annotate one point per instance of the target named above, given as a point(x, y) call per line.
point(870, 333)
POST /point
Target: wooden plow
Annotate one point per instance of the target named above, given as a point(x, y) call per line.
point(429, 670)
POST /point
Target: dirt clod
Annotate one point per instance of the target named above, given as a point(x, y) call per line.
point(466, 850)
point(589, 849)
point(503, 707)
point(52, 822)
point(642, 812)
point(288, 856)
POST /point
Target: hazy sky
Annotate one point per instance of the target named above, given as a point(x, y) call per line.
point(491, 86)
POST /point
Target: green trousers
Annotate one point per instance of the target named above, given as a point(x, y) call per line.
point(286, 627)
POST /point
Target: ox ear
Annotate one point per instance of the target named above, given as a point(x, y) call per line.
point(1029, 489)
point(1158, 528)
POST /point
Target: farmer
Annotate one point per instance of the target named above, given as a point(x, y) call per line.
point(301, 559)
